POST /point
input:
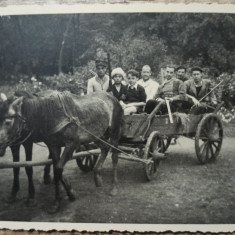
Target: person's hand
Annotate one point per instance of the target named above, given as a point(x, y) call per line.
point(169, 99)
point(122, 104)
point(160, 100)
point(196, 102)
point(214, 103)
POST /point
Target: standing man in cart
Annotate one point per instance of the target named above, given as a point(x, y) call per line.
point(99, 82)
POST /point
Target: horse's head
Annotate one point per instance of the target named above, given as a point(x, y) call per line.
point(10, 121)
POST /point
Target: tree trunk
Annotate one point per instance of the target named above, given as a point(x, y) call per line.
point(63, 44)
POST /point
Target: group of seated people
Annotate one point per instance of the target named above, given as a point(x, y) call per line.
point(138, 92)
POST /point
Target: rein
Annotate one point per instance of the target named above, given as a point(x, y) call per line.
point(77, 122)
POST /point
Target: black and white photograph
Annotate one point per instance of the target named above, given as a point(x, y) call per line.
point(118, 118)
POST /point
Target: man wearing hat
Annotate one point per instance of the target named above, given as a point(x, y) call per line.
point(99, 82)
point(198, 87)
point(181, 73)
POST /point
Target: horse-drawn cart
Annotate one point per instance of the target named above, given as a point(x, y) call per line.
point(146, 137)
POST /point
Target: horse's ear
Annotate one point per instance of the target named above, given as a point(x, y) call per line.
point(17, 106)
point(3, 97)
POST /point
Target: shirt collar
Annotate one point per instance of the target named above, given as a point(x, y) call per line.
point(104, 78)
point(135, 86)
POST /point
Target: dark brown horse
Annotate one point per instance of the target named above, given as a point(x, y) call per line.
point(26, 139)
point(63, 119)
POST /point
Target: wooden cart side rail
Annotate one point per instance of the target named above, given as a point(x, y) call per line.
point(8, 164)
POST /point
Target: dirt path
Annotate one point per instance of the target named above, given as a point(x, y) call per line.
point(182, 192)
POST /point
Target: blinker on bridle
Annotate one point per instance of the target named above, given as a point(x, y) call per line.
point(18, 135)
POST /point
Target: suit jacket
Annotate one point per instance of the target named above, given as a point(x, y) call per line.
point(136, 95)
point(206, 87)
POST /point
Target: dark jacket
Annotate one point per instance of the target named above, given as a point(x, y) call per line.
point(206, 87)
point(120, 95)
point(135, 95)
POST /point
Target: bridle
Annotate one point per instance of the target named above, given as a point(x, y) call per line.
point(22, 126)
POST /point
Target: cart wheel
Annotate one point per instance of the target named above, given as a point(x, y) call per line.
point(87, 163)
point(209, 137)
point(154, 144)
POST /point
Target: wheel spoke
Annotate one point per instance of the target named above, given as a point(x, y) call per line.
point(207, 151)
point(163, 146)
point(82, 159)
point(216, 146)
point(204, 132)
point(211, 150)
point(203, 150)
point(87, 160)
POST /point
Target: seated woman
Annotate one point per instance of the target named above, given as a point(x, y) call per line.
point(135, 94)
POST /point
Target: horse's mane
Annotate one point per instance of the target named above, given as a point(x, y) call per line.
point(45, 112)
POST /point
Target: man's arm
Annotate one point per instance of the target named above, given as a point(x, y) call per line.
point(181, 91)
point(212, 96)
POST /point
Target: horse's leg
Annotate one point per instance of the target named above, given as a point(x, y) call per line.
point(115, 180)
point(99, 164)
point(115, 134)
point(55, 155)
point(16, 184)
point(28, 145)
point(66, 155)
point(47, 169)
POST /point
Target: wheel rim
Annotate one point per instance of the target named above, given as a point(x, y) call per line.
point(209, 138)
point(154, 144)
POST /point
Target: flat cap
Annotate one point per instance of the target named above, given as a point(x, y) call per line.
point(101, 62)
point(197, 69)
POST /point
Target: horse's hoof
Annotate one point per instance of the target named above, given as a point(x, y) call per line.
point(98, 181)
point(54, 208)
point(47, 179)
point(72, 196)
point(114, 192)
point(30, 202)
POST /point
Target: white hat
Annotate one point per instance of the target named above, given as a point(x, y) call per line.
point(118, 71)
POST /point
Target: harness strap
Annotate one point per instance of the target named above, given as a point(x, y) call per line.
point(77, 122)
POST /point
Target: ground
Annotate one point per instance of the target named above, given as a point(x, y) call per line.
point(182, 191)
